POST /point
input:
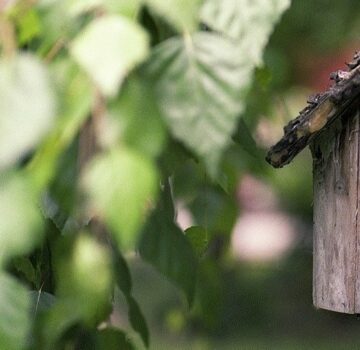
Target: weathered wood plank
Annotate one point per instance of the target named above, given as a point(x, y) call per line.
point(336, 278)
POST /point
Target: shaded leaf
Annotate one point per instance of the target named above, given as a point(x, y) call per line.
point(137, 320)
point(41, 301)
point(238, 18)
point(182, 14)
point(120, 45)
point(21, 222)
point(201, 84)
point(76, 95)
point(165, 246)
point(244, 138)
point(122, 273)
point(26, 106)
point(139, 118)
point(123, 280)
point(24, 266)
point(113, 339)
point(120, 185)
point(14, 314)
point(198, 237)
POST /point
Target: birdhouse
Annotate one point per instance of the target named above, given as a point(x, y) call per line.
point(329, 124)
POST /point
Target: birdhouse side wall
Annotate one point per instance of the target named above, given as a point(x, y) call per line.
point(336, 282)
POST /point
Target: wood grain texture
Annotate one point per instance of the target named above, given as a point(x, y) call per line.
point(336, 276)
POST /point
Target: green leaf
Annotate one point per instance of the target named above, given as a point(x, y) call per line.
point(122, 273)
point(56, 321)
point(112, 339)
point(249, 23)
point(29, 25)
point(198, 238)
point(86, 259)
point(81, 298)
point(120, 45)
point(165, 246)
point(14, 314)
point(244, 138)
point(139, 118)
point(182, 14)
point(123, 280)
point(120, 185)
point(21, 221)
point(201, 84)
point(26, 106)
point(25, 268)
point(123, 7)
point(41, 301)
point(76, 98)
point(137, 320)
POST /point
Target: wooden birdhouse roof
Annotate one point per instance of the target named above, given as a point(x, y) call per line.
point(322, 110)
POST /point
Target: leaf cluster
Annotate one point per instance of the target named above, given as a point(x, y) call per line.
point(109, 111)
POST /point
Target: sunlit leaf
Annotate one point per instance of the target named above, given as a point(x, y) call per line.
point(120, 186)
point(26, 106)
point(198, 237)
point(123, 7)
point(14, 314)
point(120, 45)
point(182, 14)
point(86, 259)
point(201, 85)
point(249, 23)
point(29, 25)
point(138, 118)
point(21, 222)
point(165, 246)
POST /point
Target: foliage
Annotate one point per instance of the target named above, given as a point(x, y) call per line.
point(103, 105)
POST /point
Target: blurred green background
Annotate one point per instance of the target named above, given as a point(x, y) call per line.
point(258, 288)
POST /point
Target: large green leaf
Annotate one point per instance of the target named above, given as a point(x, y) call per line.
point(21, 222)
point(14, 314)
point(108, 48)
point(249, 23)
point(182, 14)
point(26, 106)
point(201, 85)
point(120, 185)
point(166, 247)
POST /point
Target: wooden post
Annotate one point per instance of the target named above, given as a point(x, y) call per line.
point(336, 276)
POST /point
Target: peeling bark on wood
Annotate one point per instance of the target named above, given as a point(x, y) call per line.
point(322, 110)
point(336, 277)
